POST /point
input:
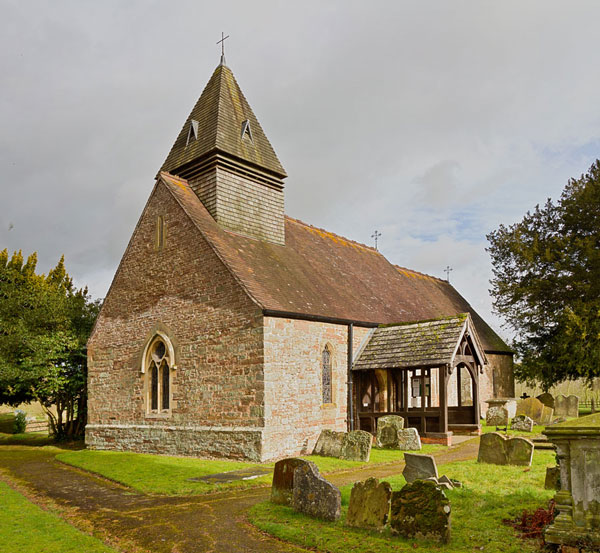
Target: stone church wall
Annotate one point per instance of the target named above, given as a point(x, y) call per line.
point(294, 411)
point(184, 291)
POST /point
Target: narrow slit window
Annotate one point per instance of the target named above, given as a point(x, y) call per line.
point(246, 130)
point(192, 135)
point(326, 375)
point(160, 232)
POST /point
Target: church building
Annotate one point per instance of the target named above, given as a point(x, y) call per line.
point(232, 330)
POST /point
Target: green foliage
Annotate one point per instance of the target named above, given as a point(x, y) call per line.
point(44, 325)
point(490, 494)
point(545, 284)
point(20, 424)
point(26, 528)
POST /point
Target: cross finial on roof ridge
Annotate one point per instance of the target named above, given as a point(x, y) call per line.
point(222, 43)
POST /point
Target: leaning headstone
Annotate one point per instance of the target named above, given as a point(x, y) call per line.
point(356, 446)
point(532, 407)
point(419, 467)
point(421, 510)
point(572, 406)
point(495, 449)
point(547, 399)
point(522, 423)
point(497, 416)
point(387, 431)
point(552, 481)
point(409, 440)
point(283, 480)
point(329, 443)
point(547, 414)
point(369, 504)
point(313, 495)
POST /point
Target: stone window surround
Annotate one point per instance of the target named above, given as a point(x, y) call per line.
point(169, 357)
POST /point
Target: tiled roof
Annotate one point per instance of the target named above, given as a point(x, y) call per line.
point(423, 344)
point(321, 274)
point(220, 112)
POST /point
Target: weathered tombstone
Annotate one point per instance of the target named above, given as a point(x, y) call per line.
point(492, 450)
point(283, 480)
point(572, 406)
point(560, 406)
point(329, 443)
point(409, 440)
point(356, 446)
point(369, 504)
point(519, 451)
point(419, 467)
point(532, 407)
point(495, 449)
point(547, 414)
point(509, 403)
point(552, 481)
point(497, 416)
point(547, 399)
point(313, 495)
point(421, 510)
point(522, 423)
point(387, 431)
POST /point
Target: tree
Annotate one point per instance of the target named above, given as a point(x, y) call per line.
point(44, 325)
point(545, 284)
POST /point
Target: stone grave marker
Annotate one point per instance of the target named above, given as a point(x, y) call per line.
point(522, 423)
point(552, 481)
point(356, 446)
point(387, 431)
point(329, 443)
point(572, 406)
point(313, 495)
point(497, 416)
point(409, 440)
point(560, 406)
point(283, 480)
point(495, 449)
point(532, 407)
point(369, 504)
point(547, 399)
point(419, 467)
point(421, 510)
point(547, 414)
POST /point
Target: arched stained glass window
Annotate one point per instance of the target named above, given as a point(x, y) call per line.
point(166, 379)
point(154, 387)
point(326, 375)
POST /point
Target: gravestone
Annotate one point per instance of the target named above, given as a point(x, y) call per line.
point(547, 414)
point(532, 407)
point(356, 446)
point(419, 467)
point(313, 495)
point(560, 406)
point(572, 406)
point(283, 480)
point(421, 510)
point(369, 504)
point(409, 440)
point(552, 481)
point(495, 449)
point(329, 443)
point(522, 423)
point(497, 416)
point(387, 431)
point(547, 399)
point(509, 403)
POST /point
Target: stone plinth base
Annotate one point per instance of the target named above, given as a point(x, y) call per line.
point(194, 441)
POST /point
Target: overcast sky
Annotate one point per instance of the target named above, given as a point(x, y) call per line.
point(432, 122)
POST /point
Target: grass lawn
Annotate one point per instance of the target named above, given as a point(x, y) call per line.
point(30, 438)
point(26, 528)
point(490, 494)
point(160, 474)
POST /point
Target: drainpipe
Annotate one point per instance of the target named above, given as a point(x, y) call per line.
point(350, 383)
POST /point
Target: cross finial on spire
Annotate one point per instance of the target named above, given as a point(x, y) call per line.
point(222, 43)
point(447, 271)
point(376, 235)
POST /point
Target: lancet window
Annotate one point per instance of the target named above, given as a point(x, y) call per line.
point(326, 375)
point(159, 364)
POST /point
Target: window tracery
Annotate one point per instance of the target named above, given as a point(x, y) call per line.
point(160, 367)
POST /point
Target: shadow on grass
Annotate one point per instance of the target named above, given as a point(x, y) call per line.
point(39, 439)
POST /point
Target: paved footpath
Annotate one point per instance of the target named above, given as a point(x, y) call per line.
point(135, 522)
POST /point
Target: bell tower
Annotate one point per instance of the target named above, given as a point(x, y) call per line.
point(222, 151)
